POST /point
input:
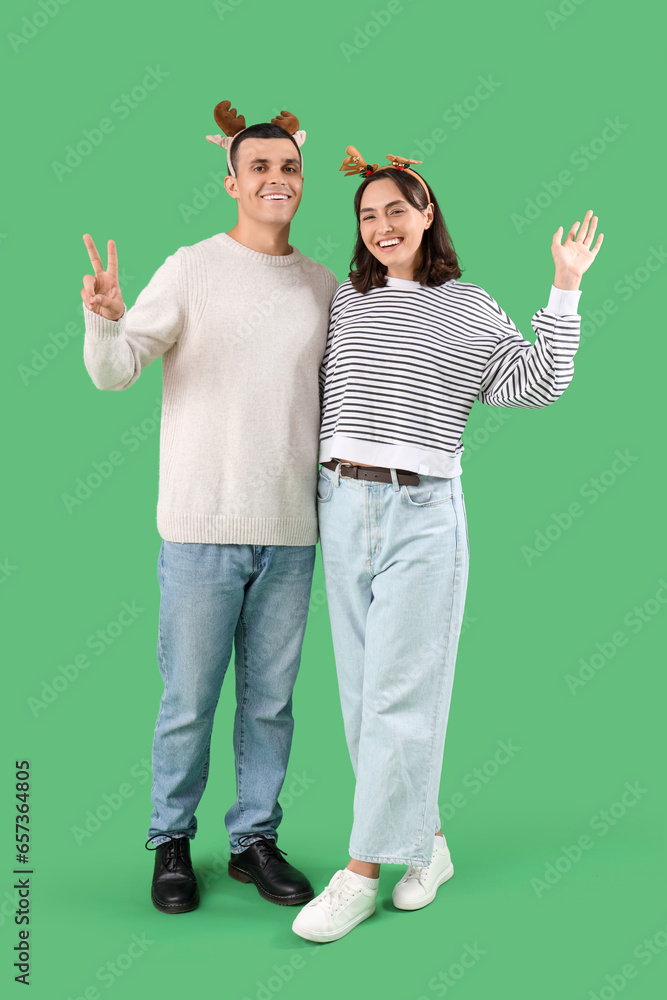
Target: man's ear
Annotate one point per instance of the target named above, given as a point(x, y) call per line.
point(231, 186)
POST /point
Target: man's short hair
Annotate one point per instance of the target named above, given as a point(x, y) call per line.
point(265, 130)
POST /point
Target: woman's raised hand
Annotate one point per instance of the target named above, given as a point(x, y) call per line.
point(573, 257)
point(101, 291)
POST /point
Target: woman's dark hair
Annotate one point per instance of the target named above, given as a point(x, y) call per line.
point(265, 130)
point(439, 259)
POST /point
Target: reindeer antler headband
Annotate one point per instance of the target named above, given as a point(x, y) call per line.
point(233, 124)
point(354, 163)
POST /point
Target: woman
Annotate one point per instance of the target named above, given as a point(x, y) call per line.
point(409, 350)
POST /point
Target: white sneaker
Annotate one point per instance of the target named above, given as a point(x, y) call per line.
point(418, 886)
point(341, 906)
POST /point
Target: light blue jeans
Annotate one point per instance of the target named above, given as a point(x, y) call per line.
point(396, 570)
point(257, 597)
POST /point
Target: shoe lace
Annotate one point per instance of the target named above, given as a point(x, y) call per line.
point(415, 873)
point(173, 849)
point(269, 847)
point(339, 891)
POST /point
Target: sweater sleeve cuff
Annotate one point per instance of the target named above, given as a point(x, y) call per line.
point(563, 301)
point(101, 327)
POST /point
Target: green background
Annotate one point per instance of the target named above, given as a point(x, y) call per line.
point(530, 619)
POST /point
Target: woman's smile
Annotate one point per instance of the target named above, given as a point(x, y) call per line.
point(387, 245)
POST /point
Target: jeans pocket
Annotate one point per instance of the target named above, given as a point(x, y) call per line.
point(432, 491)
point(324, 487)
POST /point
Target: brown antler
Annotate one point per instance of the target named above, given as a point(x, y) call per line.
point(355, 163)
point(226, 117)
point(401, 159)
point(287, 120)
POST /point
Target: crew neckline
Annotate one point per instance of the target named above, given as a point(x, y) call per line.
point(402, 282)
point(273, 260)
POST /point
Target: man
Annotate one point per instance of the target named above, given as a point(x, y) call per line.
point(240, 321)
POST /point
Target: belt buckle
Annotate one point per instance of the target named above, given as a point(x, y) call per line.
point(348, 465)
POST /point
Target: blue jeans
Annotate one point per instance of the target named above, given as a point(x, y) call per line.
point(395, 563)
point(255, 596)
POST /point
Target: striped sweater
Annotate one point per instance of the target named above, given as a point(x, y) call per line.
point(404, 364)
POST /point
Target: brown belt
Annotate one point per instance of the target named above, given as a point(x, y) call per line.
point(377, 473)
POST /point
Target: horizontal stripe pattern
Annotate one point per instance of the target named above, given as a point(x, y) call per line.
point(404, 364)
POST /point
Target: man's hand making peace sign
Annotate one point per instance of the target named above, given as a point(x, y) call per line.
point(101, 291)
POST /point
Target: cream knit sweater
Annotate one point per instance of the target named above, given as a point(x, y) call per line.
point(241, 335)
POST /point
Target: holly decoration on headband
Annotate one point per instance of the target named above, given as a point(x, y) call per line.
point(354, 163)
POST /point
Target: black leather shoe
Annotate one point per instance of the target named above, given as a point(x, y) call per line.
point(276, 880)
point(174, 888)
